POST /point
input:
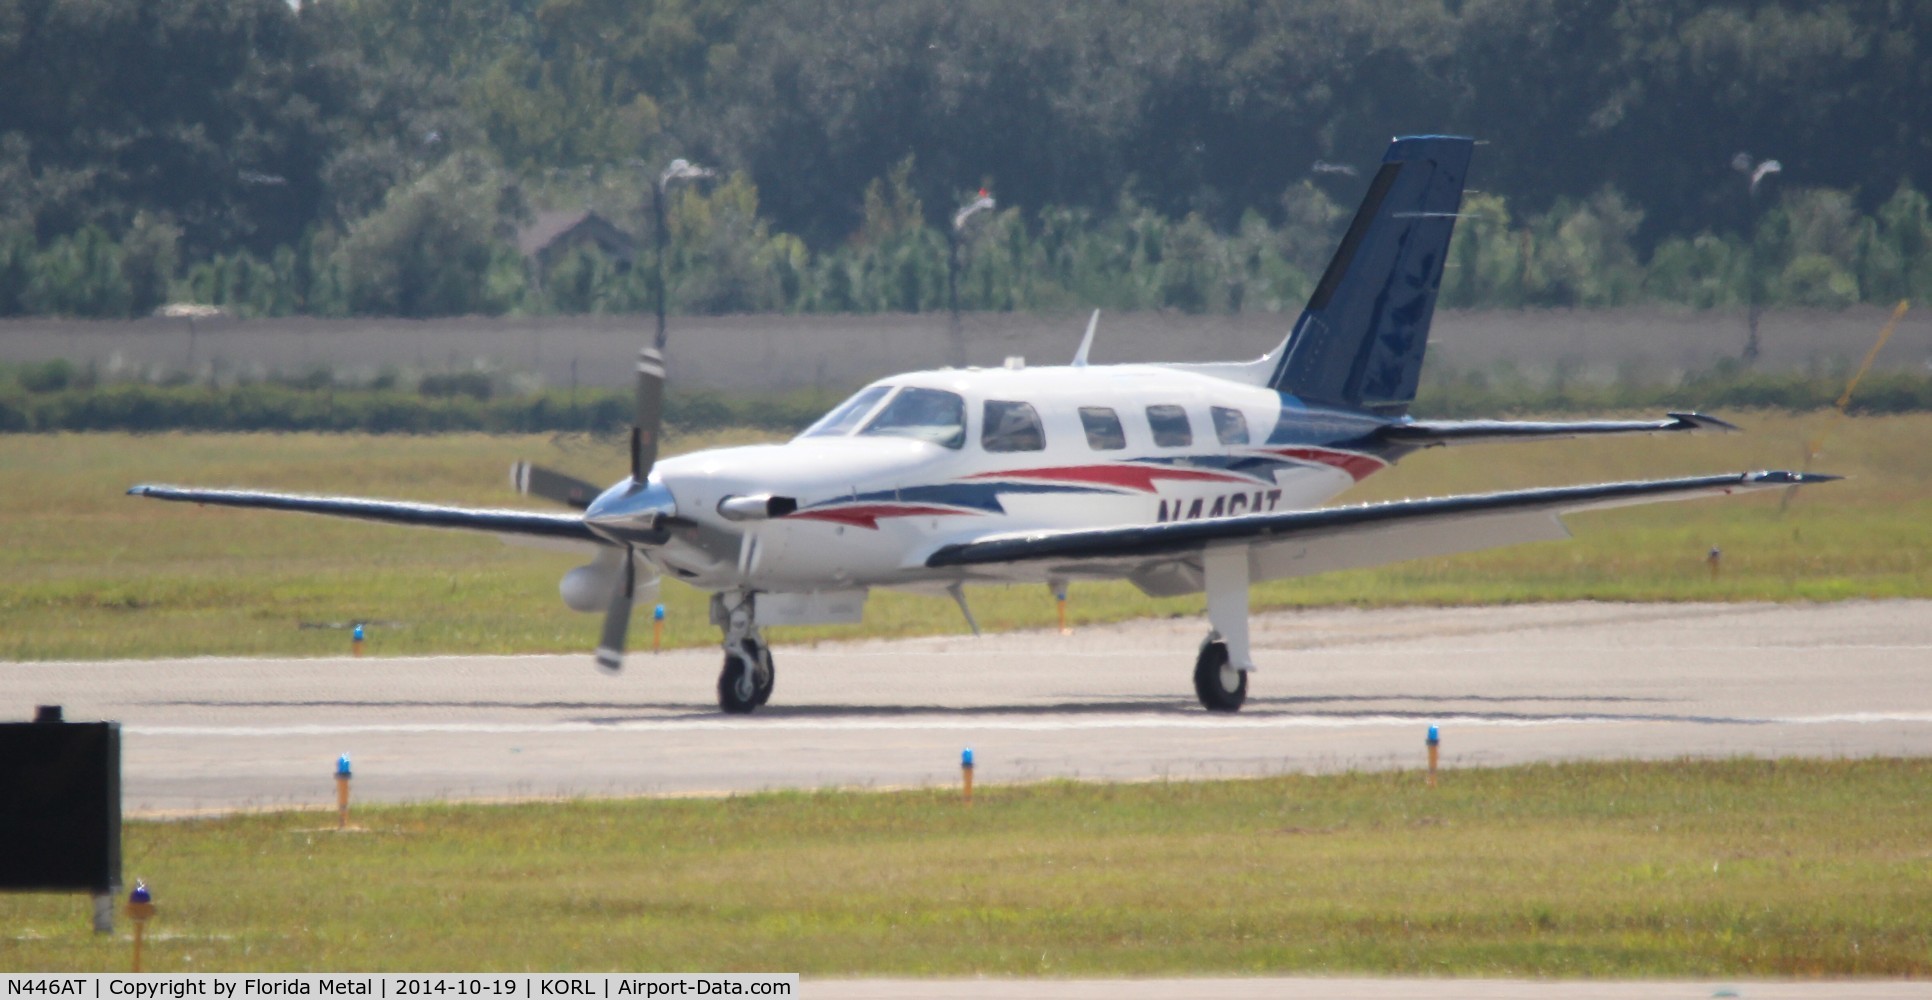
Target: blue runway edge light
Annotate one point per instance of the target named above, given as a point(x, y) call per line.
point(342, 766)
point(1434, 737)
point(966, 757)
point(357, 634)
point(140, 893)
point(658, 613)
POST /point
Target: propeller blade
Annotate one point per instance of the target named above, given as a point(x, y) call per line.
point(650, 412)
point(617, 620)
point(549, 484)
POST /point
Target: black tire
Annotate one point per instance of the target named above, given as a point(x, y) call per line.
point(728, 697)
point(767, 676)
point(1211, 680)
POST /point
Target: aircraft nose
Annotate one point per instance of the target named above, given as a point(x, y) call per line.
point(628, 513)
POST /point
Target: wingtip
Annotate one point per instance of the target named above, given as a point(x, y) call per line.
point(1692, 420)
point(1781, 477)
point(139, 491)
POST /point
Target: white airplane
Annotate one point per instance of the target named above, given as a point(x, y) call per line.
point(1181, 478)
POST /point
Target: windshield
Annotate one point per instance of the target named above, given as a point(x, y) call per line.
point(924, 415)
point(847, 415)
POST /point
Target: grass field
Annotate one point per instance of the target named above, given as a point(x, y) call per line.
point(88, 572)
point(1727, 868)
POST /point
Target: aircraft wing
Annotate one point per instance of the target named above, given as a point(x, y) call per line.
point(526, 523)
point(1165, 559)
point(1430, 433)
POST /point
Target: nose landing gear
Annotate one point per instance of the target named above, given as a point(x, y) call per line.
point(747, 678)
point(748, 675)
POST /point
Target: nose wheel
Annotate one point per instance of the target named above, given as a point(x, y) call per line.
point(747, 678)
point(1220, 686)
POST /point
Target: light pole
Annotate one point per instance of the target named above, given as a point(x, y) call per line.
point(980, 204)
point(679, 170)
point(1754, 173)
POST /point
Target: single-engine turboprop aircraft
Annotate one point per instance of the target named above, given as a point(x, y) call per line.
point(1181, 478)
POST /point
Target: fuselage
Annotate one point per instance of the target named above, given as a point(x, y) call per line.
point(918, 460)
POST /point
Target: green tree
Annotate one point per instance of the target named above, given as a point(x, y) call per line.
point(79, 275)
point(1704, 271)
point(1897, 261)
point(435, 248)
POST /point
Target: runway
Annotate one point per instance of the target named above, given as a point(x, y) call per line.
point(1337, 689)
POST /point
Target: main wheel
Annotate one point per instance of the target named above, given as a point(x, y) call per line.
point(746, 682)
point(767, 676)
point(1220, 687)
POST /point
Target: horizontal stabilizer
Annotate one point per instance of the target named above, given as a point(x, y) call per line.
point(1429, 433)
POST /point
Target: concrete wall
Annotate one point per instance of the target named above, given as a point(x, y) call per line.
point(749, 353)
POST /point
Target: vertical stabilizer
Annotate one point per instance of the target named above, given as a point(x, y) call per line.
point(1359, 343)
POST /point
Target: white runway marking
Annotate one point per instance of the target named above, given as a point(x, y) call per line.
point(986, 722)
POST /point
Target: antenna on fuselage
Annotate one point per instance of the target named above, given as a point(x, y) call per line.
point(958, 591)
point(1086, 343)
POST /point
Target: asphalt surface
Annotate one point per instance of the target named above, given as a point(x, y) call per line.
point(1338, 689)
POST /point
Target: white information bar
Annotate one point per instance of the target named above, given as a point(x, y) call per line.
point(412, 986)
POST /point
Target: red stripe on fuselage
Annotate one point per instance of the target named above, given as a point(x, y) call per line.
point(1132, 477)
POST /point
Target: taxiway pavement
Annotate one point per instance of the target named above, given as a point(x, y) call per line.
point(1338, 689)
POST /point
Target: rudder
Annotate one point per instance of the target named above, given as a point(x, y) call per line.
point(1360, 341)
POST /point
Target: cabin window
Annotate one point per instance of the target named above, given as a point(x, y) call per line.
point(1230, 425)
point(1104, 432)
point(1011, 427)
point(931, 415)
point(1170, 426)
point(847, 415)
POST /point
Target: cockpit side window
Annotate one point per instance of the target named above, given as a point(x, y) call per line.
point(1011, 426)
point(1230, 425)
point(1170, 426)
point(1104, 432)
point(932, 415)
point(847, 415)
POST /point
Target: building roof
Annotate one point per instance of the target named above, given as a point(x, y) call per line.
point(562, 229)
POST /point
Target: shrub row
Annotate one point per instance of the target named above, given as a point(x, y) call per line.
point(1474, 394)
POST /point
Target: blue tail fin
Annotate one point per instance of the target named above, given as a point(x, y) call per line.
point(1359, 343)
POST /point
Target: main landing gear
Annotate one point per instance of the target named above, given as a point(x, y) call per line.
point(1221, 670)
point(1221, 687)
point(748, 675)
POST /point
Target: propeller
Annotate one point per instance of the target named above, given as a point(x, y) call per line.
point(650, 413)
point(636, 514)
point(617, 620)
point(536, 481)
point(1815, 445)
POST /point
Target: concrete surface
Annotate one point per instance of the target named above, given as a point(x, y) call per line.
point(1338, 689)
point(749, 353)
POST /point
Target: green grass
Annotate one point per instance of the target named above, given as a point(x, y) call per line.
point(87, 572)
point(1726, 868)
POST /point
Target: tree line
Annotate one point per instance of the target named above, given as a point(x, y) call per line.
point(377, 157)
